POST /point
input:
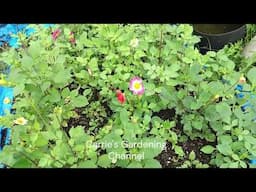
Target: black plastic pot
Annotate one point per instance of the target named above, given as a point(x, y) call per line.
point(215, 36)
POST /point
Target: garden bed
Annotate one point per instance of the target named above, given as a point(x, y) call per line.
point(129, 96)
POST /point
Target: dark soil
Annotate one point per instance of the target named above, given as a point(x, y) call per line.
point(82, 120)
point(170, 114)
point(166, 114)
point(168, 158)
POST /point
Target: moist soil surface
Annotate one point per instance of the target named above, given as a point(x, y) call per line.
point(168, 158)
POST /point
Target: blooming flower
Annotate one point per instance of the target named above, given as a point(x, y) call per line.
point(134, 42)
point(55, 34)
point(120, 96)
point(7, 100)
point(136, 86)
point(242, 80)
point(21, 121)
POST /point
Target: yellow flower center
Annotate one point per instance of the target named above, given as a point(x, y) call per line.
point(7, 100)
point(137, 85)
point(20, 121)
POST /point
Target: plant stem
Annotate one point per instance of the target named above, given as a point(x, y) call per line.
point(161, 45)
point(38, 113)
point(65, 136)
point(56, 159)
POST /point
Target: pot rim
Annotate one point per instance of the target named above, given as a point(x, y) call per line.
point(221, 34)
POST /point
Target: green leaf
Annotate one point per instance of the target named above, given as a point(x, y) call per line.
point(124, 117)
point(224, 111)
point(104, 161)
point(43, 162)
point(235, 157)
point(87, 92)
point(210, 114)
point(152, 163)
point(23, 163)
point(187, 101)
point(126, 76)
point(8, 156)
point(146, 119)
point(87, 164)
point(34, 49)
point(27, 62)
point(93, 64)
point(252, 75)
point(124, 163)
point(61, 150)
point(41, 141)
point(80, 101)
point(151, 147)
point(195, 69)
point(210, 137)
point(208, 149)
point(179, 151)
point(65, 92)
point(82, 74)
point(130, 131)
point(135, 164)
point(152, 106)
point(62, 76)
point(243, 164)
point(225, 149)
point(197, 124)
point(215, 87)
point(250, 139)
point(60, 59)
point(225, 139)
point(247, 145)
point(76, 132)
point(233, 165)
point(45, 85)
point(192, 156)
point(54, 95)
point(170, 73)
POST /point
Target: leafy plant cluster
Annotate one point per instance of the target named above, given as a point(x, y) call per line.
point(58, 81)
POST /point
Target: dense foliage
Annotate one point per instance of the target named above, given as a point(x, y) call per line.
point(90, 95)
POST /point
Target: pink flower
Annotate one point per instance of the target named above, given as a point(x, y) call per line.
point(136, 86)
point(55, 34)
